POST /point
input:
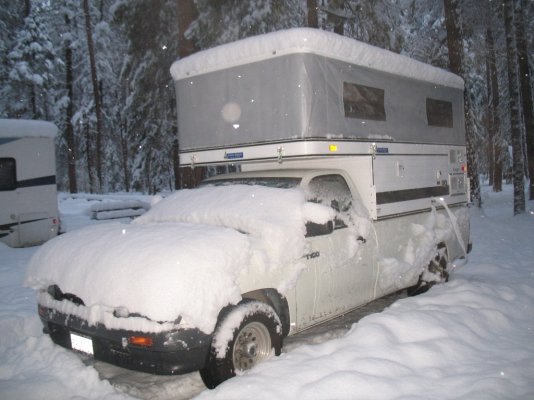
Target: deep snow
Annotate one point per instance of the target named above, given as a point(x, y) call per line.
point(472, 338)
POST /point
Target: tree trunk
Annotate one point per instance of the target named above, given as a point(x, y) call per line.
point(515, 117)
point(187, 13)
point(313, 17)
point(526, 92)
point(495, 122)
point(96, 93)
point(455, 47)
point(88, 154)
point(69, 129)
point(124, 153)
point(27, 8)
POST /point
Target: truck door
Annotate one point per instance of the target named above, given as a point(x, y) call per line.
point(340, 268)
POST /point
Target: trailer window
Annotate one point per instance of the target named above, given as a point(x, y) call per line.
point(8, 174)
point(439, 113)
point(363, 102)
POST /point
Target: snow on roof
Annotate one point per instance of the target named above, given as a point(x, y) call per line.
point(20, 128)
point(315, 41)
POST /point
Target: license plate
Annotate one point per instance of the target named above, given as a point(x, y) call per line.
point(81, 343)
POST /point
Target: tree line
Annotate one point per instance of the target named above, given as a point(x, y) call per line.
point(99, 69)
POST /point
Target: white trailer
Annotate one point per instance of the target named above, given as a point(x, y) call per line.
point(28, 194)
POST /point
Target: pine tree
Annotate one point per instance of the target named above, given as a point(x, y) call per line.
point(312, 16)
point(69, 108)
point(222, 22)
point(456, 55)
point(150, 112)
point(495, 148)
point(12, 14)
point(96, 94)
point(525, 88)
point(32, 62)
point(515, 117)
point(424, 32)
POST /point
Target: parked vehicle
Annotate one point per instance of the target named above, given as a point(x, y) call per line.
point(28, 195)
point(350, 184)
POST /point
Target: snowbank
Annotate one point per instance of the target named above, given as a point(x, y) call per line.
point(307, 40)
point(472, 338)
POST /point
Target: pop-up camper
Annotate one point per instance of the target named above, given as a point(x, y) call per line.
point(390, 127)
point(28, 194)
point(306, 98)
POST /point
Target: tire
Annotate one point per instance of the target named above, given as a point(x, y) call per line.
point(245, 336)
point(436, 270)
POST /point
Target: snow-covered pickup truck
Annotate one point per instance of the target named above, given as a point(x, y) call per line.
point(350, 183)
point(213, 278)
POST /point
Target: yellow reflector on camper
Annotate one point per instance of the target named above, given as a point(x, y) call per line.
point(332, 147)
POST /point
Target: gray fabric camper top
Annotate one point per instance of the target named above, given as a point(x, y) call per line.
point(306, 83)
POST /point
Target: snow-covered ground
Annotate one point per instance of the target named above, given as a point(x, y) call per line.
point(472, 338)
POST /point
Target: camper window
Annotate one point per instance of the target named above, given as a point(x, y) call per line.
point(439, 113)
point(363, 102)
point(8, 175)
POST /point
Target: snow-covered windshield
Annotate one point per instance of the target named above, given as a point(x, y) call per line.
point(274, 182)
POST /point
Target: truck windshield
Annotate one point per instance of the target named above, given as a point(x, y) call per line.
point(274, 182)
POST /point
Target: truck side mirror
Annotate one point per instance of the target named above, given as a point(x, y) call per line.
point(314, 229)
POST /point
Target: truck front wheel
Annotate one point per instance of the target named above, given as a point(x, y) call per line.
point(245, 336)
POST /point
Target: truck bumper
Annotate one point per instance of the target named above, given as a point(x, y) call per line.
point(173, 352)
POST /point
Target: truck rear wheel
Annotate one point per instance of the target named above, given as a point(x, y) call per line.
point(245, 336)
point(435, 272)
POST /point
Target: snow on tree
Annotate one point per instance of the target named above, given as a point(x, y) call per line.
point(223, 22)
point(32, 62)
point(456, 59)
point(150, 112)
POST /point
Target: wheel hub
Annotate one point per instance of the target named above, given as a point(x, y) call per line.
point(252, 345)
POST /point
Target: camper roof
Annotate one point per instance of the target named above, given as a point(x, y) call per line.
point(307, 40)
point(20, 128)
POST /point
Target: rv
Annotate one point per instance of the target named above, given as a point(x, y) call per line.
point(28, 195)
point(310, 99)
point(376, 135)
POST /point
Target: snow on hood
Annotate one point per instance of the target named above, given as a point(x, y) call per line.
point(182, 258)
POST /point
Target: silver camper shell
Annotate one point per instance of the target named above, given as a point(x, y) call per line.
point(306, 98)
point(28, 194)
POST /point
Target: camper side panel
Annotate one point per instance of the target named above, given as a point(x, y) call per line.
point(251, 103)
point(305, 95)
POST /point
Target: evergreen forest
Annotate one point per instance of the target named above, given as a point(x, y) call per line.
point(99, 69)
